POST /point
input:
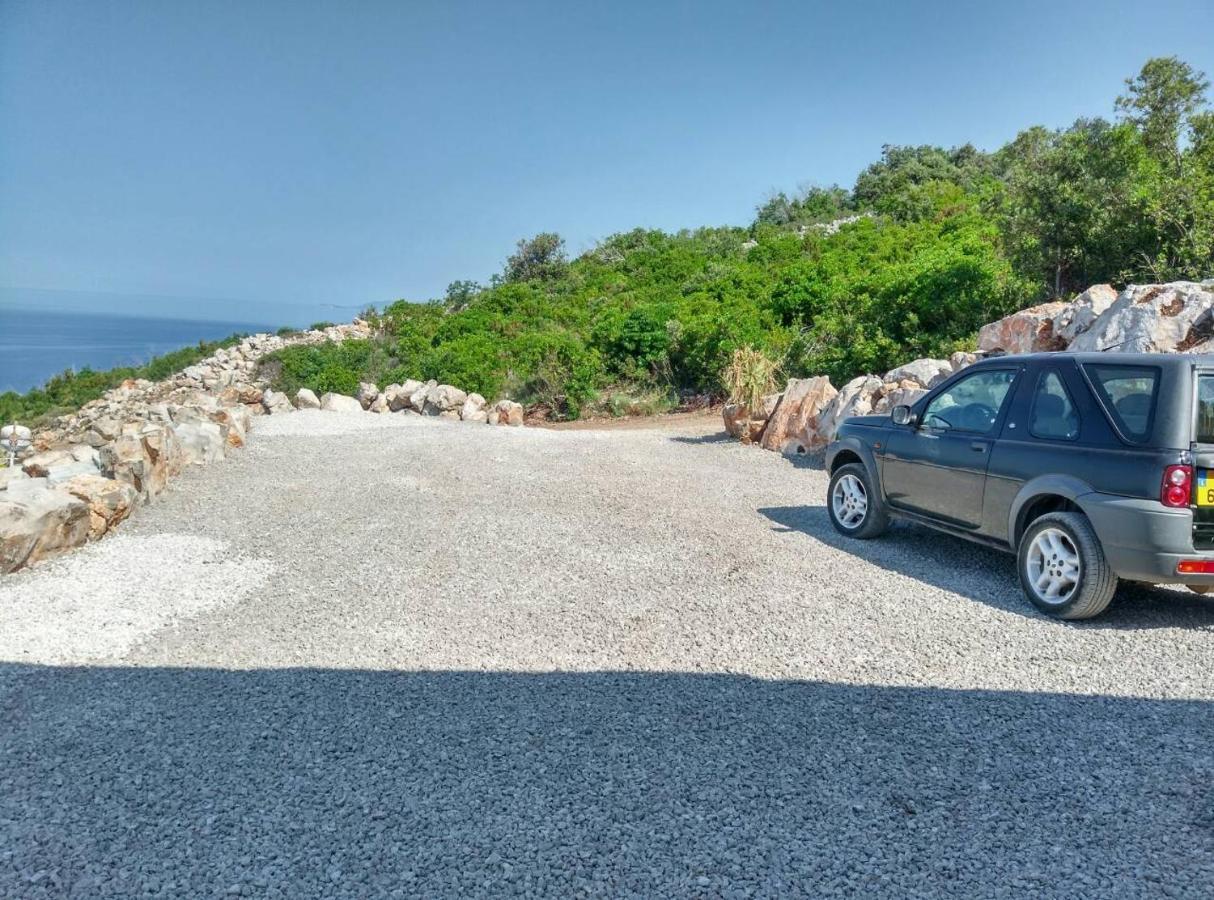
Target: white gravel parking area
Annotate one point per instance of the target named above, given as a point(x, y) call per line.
point(387, 656)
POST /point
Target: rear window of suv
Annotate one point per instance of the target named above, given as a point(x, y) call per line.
point(1205, 409)
point(1128, 393)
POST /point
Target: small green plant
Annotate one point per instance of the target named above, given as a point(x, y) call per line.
point(619, 404)
point(749, 376)
point(320, 326)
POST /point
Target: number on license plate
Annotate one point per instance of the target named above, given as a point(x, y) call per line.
point(1205, 487)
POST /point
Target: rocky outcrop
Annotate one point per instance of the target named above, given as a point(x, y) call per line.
point(123, 449)
point(925, 373)
point(1160, 318)
point(1153, 318)
point(109, 501)
point(60, 465)
point(201, 442)
point(1081, 313)
point(38, 520)
point(1028, 331)
point(145, 457)
point(798, 413)
point(855, 398)
point(741, 423)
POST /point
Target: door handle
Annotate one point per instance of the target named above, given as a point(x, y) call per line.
point(979, 446)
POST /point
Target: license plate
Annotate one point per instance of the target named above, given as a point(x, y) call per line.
point(1205, 487)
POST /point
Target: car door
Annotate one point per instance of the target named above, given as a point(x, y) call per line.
point(937, 465)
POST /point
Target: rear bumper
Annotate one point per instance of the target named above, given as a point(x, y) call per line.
point(1142, 540)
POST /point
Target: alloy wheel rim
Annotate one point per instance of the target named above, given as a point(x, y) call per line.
point(1053, 566)
point(849, 500)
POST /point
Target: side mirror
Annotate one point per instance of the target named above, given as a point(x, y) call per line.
point(902, 415)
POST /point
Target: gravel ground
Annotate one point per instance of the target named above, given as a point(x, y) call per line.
point(391, 656)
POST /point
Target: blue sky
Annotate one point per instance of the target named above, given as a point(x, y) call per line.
point(292, 157)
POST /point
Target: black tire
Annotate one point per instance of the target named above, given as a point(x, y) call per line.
point(875, 519)
point(1093, 585)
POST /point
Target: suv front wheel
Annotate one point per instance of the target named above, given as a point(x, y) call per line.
point(1062, 567)
point(855, 508)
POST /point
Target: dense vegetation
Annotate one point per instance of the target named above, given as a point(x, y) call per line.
point(926, 246)
point(71, 390)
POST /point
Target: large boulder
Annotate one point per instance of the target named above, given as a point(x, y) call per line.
point(417, 399)
point(506, 412)
point(1153, 318)
point(926, 373)
point(961, 359)
point(1028, 331)
point(103, 428)
point(1080, 314)
point(340, 403)
point(741, 423)
point(276, 403)
point(443, 399)
point(305, 398)
point(905, 394)
point(60, 465)
point(367, 392)
point(144, 459)
point(797, 414)
point(854, 399)
point(162, 448)
point(399, 396)
point(473, 409)
point(235, 421)
point(201, 442)
point(37, 521)
point(109, 501)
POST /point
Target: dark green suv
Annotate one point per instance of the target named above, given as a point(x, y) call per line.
point(1090, 467)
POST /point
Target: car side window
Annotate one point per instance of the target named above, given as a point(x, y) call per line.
point(1128, 393)
point(972, 404)
point(1053, 415)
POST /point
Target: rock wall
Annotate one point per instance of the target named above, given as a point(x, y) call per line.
point(1155, 318)
point(87, 473)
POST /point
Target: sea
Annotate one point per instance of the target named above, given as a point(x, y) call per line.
point(36, 345)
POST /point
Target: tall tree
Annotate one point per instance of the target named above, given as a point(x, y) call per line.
point(539, 258)
point(1161, 102)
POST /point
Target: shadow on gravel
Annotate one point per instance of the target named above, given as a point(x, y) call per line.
point(716, 437)
point(308, 782)
point(986, 575)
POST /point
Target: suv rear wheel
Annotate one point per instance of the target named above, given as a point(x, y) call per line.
point(855, 508)
point(1062, 567)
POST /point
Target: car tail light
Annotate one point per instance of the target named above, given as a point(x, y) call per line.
point(1177, 489)
point(1195, 567)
